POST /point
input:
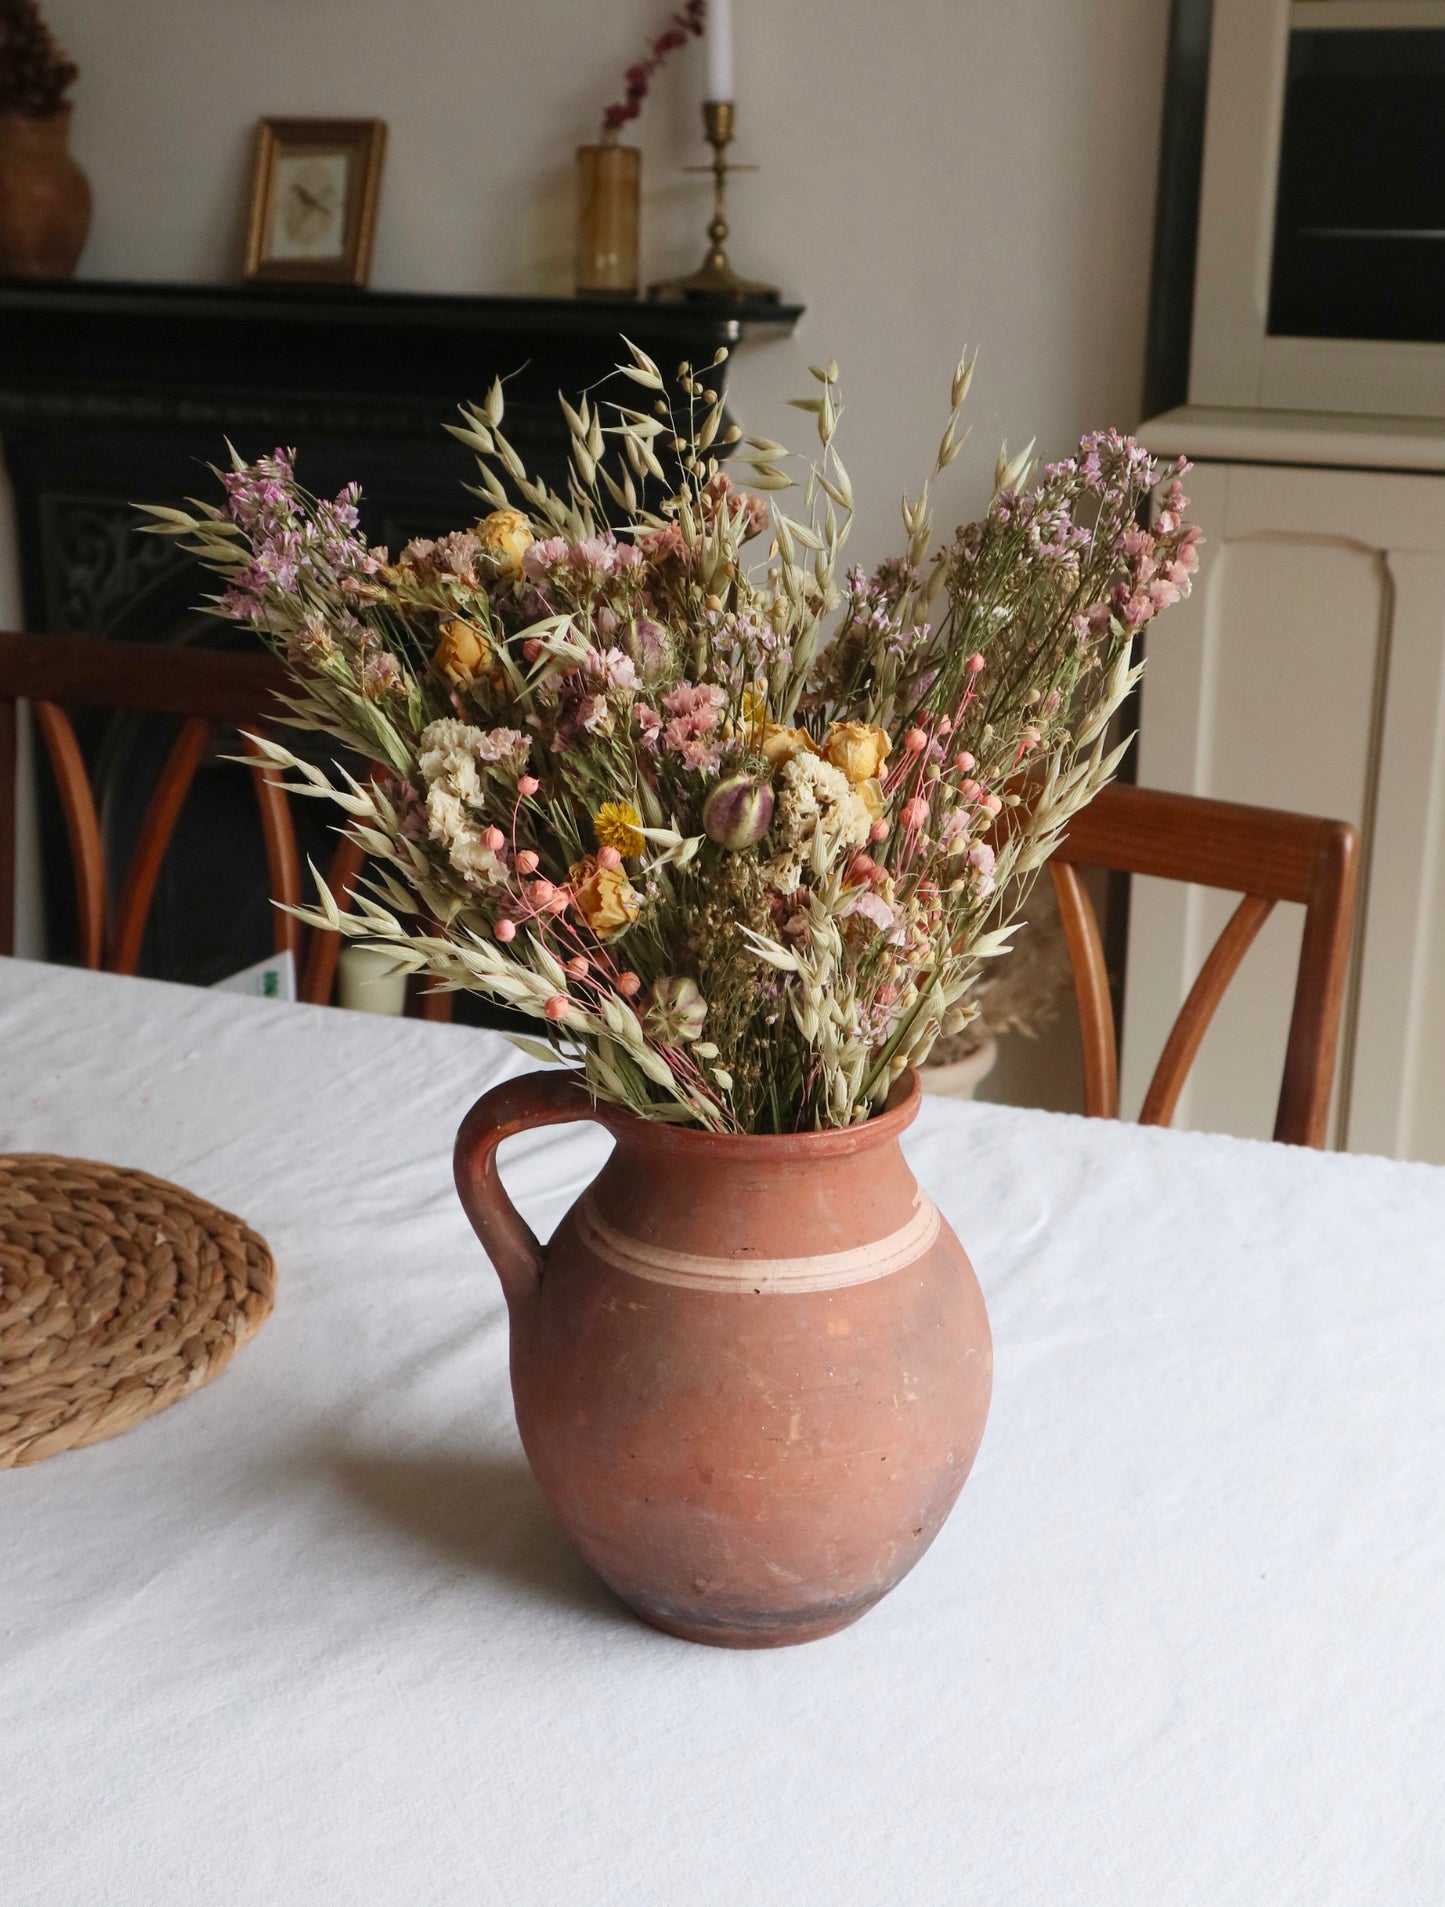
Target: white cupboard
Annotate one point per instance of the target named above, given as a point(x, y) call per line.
point(1307, 671)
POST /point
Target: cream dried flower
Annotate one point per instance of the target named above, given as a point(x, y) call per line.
point(815, 797)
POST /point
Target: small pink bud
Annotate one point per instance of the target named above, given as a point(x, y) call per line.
point(1031, 738)
point(945, 724)
point(541, 892)
point(976, 664)
point(879, 831)
point(561, 898)
point(628, 985)
point(532, 649)
point(861, 870)
point(556, 1008)
point(527, 785)
point(993, 804)
point(970, 790)
point(965, 762)
point(505, 930)
point(608, 858)
point(915, 741)
point(493, 840)
point(579, 966)
point(915, 812)
point(527, 862)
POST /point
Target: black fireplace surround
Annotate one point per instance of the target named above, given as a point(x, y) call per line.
point(111, 394)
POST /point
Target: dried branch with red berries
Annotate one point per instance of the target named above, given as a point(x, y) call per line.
point(688, 22)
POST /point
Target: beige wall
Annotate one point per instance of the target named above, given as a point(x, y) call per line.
point(934, 172)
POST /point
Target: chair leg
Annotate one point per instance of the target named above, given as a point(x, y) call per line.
point(9, 808)
point(1091, 990)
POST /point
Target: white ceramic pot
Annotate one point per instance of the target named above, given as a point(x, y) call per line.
point(369, 981)
point(960, 1078)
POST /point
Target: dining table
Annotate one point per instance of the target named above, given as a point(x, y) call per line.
point(312, 1636)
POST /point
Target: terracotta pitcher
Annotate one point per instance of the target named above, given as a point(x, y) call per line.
point(751, 1374)
point(44, 197)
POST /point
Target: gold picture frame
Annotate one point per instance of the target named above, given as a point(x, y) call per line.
point(314, 187)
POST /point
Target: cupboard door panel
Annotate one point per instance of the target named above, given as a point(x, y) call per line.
point(1398, 1101)
point(1264, 690)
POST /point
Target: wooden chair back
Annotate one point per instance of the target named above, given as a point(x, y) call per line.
point(210, 690)
point(1266, 856)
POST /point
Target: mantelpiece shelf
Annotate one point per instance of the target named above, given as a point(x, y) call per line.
point(329, 358)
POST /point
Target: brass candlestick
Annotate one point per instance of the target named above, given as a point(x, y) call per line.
point(715, 280)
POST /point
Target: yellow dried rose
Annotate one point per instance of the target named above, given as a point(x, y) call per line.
point(858, 748)
point(463, 651)
point(619, 825)
point(603, 896)
point(505, 536)
point(780, 744)
point(753, 707)
point(870, 793)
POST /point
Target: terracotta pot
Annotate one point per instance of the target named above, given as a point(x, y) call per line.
point(44, 198)
point(751, 1374)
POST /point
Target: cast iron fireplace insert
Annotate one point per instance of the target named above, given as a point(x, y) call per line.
point(111, 394)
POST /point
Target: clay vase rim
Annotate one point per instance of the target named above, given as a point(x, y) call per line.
point(684, 1142)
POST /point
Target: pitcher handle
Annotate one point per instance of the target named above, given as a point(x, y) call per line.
point(535, 1099)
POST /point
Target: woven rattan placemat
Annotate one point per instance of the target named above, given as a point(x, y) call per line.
point(119, 1293)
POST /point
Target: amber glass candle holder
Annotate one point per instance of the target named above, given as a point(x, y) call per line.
point(609, 190)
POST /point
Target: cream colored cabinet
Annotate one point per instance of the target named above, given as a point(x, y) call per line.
point(1307, 671)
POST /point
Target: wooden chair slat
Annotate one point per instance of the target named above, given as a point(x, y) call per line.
point(283, 861)
point(1303, 1114)
point(1091, 990)
point(436, 1002)
point(158, 825)
point(1207, 843)
point(150, 678)
point(9, 772)
point(82, 825)
point(1264, 854)
point(1187, 1033)
point(212, 690)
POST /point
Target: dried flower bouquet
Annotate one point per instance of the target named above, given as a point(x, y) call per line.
point(738, 835)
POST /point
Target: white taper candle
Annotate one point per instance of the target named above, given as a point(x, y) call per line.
point(720, 49)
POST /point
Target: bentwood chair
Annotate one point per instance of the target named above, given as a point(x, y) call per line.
point(213, 692)
point(1266, 856)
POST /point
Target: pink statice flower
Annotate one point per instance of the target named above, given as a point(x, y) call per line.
point(981, 860)
point(646, 642)
point(410, 806)
point(540, 559)
point(953, 834)
point(1089, 624)
point(381, 676)
point(610, 669)
point(872, 907)
point(694, 709)
point(457, 553)
point(594, 558)
point(665, 541)
point(507, 747)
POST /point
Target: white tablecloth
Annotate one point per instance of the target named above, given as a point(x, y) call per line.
point(311, 1636)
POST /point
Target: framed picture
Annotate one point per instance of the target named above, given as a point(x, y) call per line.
point(313, 200)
